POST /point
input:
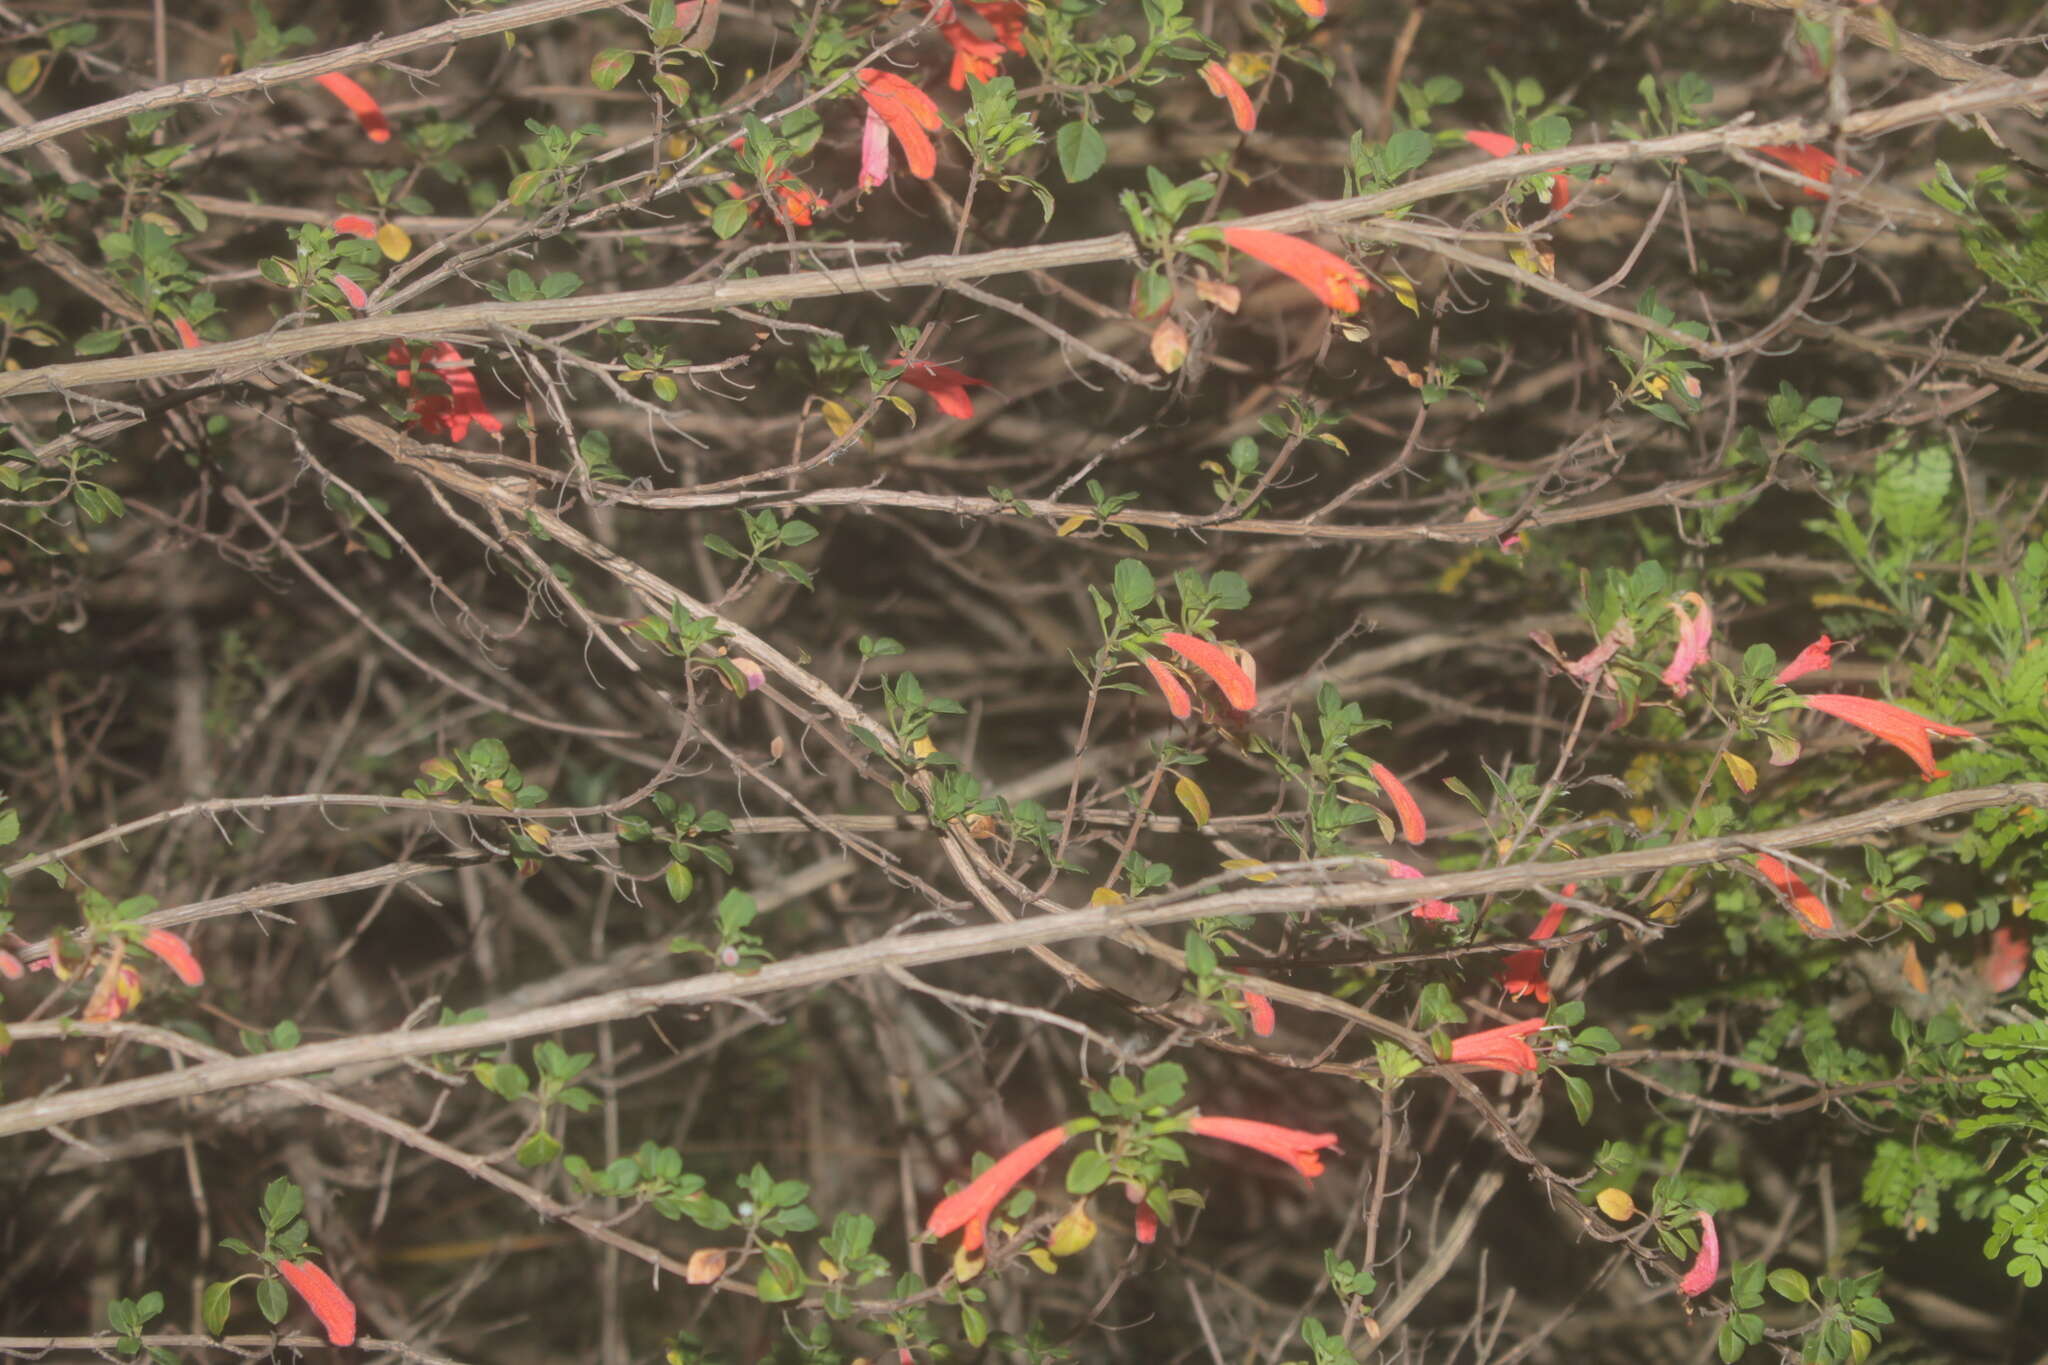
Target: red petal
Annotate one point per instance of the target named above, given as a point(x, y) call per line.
point(1811, 909)
point(176, 954)
point(1493, 144)
point(1331, 278)
point(355, 225)
point(1178, 704)
point(1413, 827)
point(1225, 87)
point(1222, 670)
point(368, 112)
point(336, 1311)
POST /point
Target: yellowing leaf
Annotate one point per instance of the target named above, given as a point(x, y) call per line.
point(1247, 866)
point(1169, 346)
point(1105, 896)
point(1916, 975)
point(1072, 524)
point(1249, 66)
point(1072, 1233)
point(1193, 799)
point(1224, 296)
point(1615, 1202)
point(1667, 913)
point(1742, 770)
point(967, 1264)
point(1450, 579)
point(394, 241)
point(23, 70)
point(1955, 910)
point(923, 746)
point(1404, 290)
point(1842, 599)
point(1042, 1258)
point(837, 418)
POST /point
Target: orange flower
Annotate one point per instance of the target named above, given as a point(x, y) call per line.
point(368, 112)
point(1314, 9)
point(1811, 909)
point(1332, 279)
point(1895, 725)
point(1261, 1011)
point(187, 338)
point(10, 966)
point(1440, 910)
point(910, 114)
point(1230, 680)
point(2005, 964)
point(1178, 704)
point(176, 955)
point(1694, 634)
point(1225, 87)
point(1291, 1145)
point(947, 386)
point(1499, 1049)
point(336, 1311)
point(1413, 827)
point(981, 58)
point(971, 1206)
point(1494, 144)
point(1811, 162)
point(1707, 1267)
point(1811, 659)
point(1523, 973)
point(355, 225)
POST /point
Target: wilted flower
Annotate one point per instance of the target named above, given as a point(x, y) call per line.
point(1297, 1148)
point(1332, 279)
point(118, 992)
point(947, 386)
point(176, 954)
point(1438, 910)
point(336, 1311)
point(1812, 659)
point(1227, 88)
point(874, 152)
point(1707, 1267)
point(1237, 688)
point(1523, 972)
point(1499, 1049)
point(910, 114)
point(1811, 909)
point(1413, 827)
point(1895, 725)
point(1694, 634)
point(368, 112)
point(971, 1206)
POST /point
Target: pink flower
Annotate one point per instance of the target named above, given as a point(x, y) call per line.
point(176, 955)
point(1707, 1268)
point(1813, 912)
point(1499, 1049)
point(336, 1311)
point(971, 1206)
point(2004, 965)
point(1413, 827)
point(947, 386)
point(1812, 659)
point(1693, 637)
point(1225, 87)
point(1230, 680)
point(1291, 1145)
point(1261, 1011)
point(874, 152)
point(1895, 725)
point(1438, 910)
point(1523, 972)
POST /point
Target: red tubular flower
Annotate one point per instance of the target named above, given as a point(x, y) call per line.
point(1811, 909)
point(1494, 144)
point(1261, 1011)
point(355, 225)
point(1145, 1224)
point(352, 291)
point(1812, 659)
point(1694, 634)
point(1811, 162)
point(970, 1207)
point(359, 101)
point(1499, 1049)
point(910, 114)
point(1221, 669)
point(1225, 87)
point(187, 338)
point(1523, 973)
point(973, 55)
point(176, 954)
point(1413, 827)
point(1439, 910)
point(1895, 725)
point(464, 402)
point(947, 386)
point(1291, 1145)
point(2005, 964)
point(1332, 279)
point(336, 1311)
point(1178, 703)
point(1707, 1267)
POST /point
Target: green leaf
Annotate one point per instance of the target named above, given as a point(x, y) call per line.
point(610, 66)
point(98, 343)
point(1090, 1169)
point(539, 1149)
point(1081, 150)
point(23, 70)
point(1134, 586)
point(680, 882)
point(1581, 1096)
point(728, 218)
point(271, 1301)
point(1791, 1285)
point(215, 1306)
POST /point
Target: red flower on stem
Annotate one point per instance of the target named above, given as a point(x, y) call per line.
point(947, 386)
point(973, 55)
point(1291, 1145)
point(351, 291)
point(1179, 704)
point(1230, 680)
point(910, 114)
point(187, 338)
point(359, 102)
point(1500, 144)
point(336, 1311)
point(1707, 1267)
point(1413, 827)
point(1813, 912)
point(971, 1206)
point(1811, 162)
point(1331, 278)
point(464, 401)
point(1905, 730)
point(1499, 1049)
point(1226, 87)
point(1261, 1011)
point(1438, 910)
point(355, 225)
point(1812, 659)
point(176, 954)
point(1523, 972)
